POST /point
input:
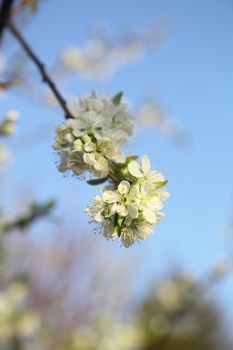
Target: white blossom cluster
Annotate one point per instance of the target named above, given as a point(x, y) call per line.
point(130, 211)
point(101, 57)
point(99, 60)
point(94, 138)
point(92, 142)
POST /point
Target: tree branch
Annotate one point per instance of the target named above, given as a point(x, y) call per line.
point(41, 67)
point(35, 212)
point(114, 178)
point(5, 11)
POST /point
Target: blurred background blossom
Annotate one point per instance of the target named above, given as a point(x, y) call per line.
point(101, 57)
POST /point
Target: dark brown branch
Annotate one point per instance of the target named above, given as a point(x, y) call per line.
point(41, 67)
point(5, 11)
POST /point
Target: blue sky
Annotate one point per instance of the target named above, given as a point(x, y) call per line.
point(191, 75)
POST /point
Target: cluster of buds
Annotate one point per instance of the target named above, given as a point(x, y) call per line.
point(92, 143)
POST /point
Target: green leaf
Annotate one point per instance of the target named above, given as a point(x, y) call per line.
point(120, 221)
point(39, 209)
point(118, 166)
point(35, 211)
point(130, 158)
point(161, 184)
point(117, 229)
point(117, 98)
point(95, 182)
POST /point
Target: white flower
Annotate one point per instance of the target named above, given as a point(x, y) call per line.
point(124, 187)
point(138, 230)
point(148, 203)
point(97, 209)
point(110, 197)
point(108, 230)
point(128, 237)
point(88, 123)
point(138, 170)
point(143, 171)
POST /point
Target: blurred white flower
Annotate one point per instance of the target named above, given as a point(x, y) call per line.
point(12, 115)
point(100, 58)
point(7, 124)
point(152, 115)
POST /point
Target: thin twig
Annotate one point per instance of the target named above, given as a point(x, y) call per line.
point(114, 178)
point(41, 67)
point(5, 12)
point(35, 212)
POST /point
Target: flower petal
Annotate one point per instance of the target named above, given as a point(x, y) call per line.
point(163, 194)
point(110, 197)
point(145, 164)
point(89, 147)
point(149, 215)
point(132, 210)
point(160, 217)
point(124, 187)
point(156, 176)
point(89, 158)
point(78, 145)
point(134, 192)
point(134, 169)
point(113, 209)
point(121, 210)
point(127, 237)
